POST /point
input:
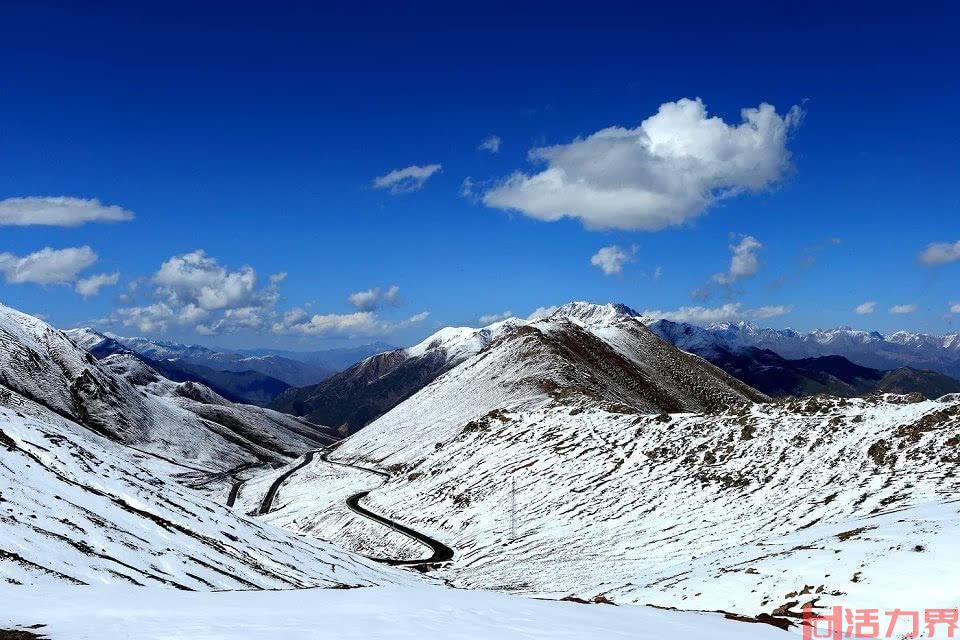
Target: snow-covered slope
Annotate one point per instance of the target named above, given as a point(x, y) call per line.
point(114, 399)
point(395, 613)
point(78, 508)
point(757, 509)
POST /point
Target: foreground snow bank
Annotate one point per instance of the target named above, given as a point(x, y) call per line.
point(421, 612)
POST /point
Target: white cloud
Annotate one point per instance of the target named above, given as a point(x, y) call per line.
point(406, 180)
point(955, 307)
point(374, 298)
point(58, 212)
point(47, 266)
point(491, 144)
point(744, 263)
point(490, 318)
point(901, 309)
point(148, 319)
point(664, 172)
point(866, 308)
point(939, 253)
point(360, 323)
point(195, 290)
point(611, 259)
point(772, 311)
point(198, 279)
point(725, 313)
point(88, 287)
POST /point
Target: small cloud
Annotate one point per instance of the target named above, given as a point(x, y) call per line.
point(773, 311)
point(939, 253)
point(374, 298)
point(611, 259)
point(901, 309)
point(47, 266)
point(88, 287)
point(491, 144)
point(406, 180)
point(866, 308)
point(744, 263)
point(466, 188)
point(955, 307)
point(490, 318)
point(58, 212)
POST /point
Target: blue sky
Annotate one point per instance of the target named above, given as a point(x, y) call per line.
point(255, 135)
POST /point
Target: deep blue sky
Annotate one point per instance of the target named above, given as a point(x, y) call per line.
point(254, 134)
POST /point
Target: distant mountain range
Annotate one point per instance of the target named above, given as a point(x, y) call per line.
point(728, 347)
point(866, 348)
point(252, 377)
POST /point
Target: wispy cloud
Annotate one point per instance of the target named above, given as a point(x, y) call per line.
point(939, 253)
point(866, 308)
point(902, 309)
point(59, 211)
point(726, 313)
point(373, 299)
point(490, 318)
point(89, 287)
point(406, 180)
point(491, 144)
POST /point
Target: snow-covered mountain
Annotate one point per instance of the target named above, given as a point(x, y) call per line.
point(114, 398)
point(586, 339)
point(356, 396)
point(866, 348)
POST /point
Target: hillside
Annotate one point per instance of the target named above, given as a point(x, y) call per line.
point(43, 365)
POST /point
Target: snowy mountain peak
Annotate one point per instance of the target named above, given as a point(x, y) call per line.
point(590, 313)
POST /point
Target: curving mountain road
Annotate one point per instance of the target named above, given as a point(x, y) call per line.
point(440, 551)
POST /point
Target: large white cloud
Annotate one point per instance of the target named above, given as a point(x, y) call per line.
point(195, 290)
point(58, 211)
point(939, 253)
point(664, 172)
point(405, 180)
point(47, 266)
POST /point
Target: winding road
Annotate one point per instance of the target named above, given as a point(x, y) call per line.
point(439, 551)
